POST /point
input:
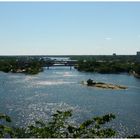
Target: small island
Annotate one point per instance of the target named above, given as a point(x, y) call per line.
point(92, 83)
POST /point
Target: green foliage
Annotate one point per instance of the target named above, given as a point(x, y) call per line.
point(100, 64)
point(134, 136)
point(89, 82)
point(107, 58)
point(20, 65)
point(5, 131)
point(137, 68)
point(59, 127)
point(34, 68)
point(20, 133)
point(86, 65)
point(109, 66)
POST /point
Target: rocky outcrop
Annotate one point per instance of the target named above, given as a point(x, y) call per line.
point(136, 74)
point(102, 85)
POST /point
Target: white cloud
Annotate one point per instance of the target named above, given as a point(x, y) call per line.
point(108, 38)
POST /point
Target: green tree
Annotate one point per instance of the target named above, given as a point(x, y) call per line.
point(89, 82)
point(59, 127)
point(137, 68)
point(5, 131)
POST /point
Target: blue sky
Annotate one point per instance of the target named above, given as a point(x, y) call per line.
point(58, 28)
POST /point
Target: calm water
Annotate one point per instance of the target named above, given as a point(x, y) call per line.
point(27, 98)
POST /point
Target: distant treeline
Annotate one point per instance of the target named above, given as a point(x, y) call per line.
point(99, 63)
point(108, 64)
point(27, 65)
point(123, 58)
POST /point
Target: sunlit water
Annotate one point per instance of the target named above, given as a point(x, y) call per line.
point(28, 98)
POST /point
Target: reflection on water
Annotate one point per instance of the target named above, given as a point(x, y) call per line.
point(52, 82)
point(27, 98)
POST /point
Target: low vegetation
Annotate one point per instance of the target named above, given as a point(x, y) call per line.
point(59, 127)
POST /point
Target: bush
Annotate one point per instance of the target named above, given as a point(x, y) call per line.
point(59, 127)
point(89, 82)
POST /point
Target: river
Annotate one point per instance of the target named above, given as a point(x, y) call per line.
point(31, 97)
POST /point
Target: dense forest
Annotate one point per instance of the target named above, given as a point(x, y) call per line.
point(108, 64)
point(100, 64)
point(27, 65)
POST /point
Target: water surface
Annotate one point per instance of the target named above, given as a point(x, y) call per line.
point(27, 98)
